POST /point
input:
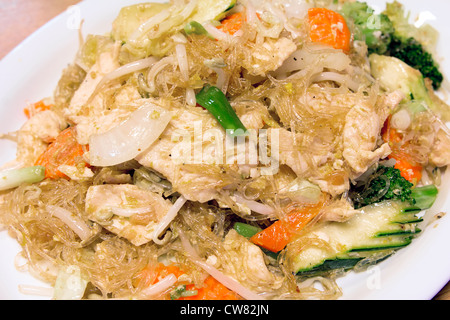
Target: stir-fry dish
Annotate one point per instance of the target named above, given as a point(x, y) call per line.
point(230, 149)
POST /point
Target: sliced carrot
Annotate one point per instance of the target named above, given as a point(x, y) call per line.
point(65, 150)
point(232, 23)
point(330, 28)
point(279, 234)
point(408, 169)
point(34, 108)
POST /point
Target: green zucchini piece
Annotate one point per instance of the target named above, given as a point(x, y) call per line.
point(381, 227)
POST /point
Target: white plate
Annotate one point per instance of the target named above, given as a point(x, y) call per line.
point(31, 71)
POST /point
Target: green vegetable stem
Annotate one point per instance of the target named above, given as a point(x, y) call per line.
point(214, 100)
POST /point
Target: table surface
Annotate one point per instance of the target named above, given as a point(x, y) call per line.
point(20, 18)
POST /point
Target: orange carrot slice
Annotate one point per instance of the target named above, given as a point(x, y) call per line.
point(330, 28)
point(211, 289)
point(34, 108)
point(408, 169)
point(65, 150)
point(283, 231)
point(232, 23)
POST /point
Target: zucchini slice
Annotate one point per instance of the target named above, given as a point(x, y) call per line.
point(381, 227)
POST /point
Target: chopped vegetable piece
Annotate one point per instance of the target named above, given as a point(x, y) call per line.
point(408, 170)
point(34, 108)
point(246, 230)
point(70, 284)
point(10, 179)
point(425, 196)
point(280, 233)
point(194, 27)
point(65, 150)
point(182, 292)
point(330, 28)
point(214, 100)
point(232, 23)
point(126, 141)
point(372, 234)
point(413, 53)
point(375, 29)
point(386, 183)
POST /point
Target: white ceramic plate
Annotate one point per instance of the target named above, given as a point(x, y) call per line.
point(31, 71)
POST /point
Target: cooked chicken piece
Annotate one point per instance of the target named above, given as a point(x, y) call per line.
point(340, 211)
point(252, 115)
point(388, 103)
point(440, 153)
point(36, 133)
point(269, 56)
point(334, 184)
point(126, 210)
point(107, 62)
point(180, 155)
point(360, 135)
point(290, 154)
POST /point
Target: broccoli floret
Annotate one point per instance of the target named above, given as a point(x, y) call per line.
point(386, 183)
point(375, 29)
point(413, 53)
point(389, 34)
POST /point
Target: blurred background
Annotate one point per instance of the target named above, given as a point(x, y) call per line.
point(20, 18)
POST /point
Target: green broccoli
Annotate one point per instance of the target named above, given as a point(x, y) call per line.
point(375, 29)
point(413, 53)
point(386, 183)
point(390, 34)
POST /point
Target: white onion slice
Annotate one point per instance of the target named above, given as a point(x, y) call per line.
point(130, 138)
point(74, 222)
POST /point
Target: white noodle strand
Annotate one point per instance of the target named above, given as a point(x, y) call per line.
point(71, 220)
point(168, 218)
point(158, 288)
